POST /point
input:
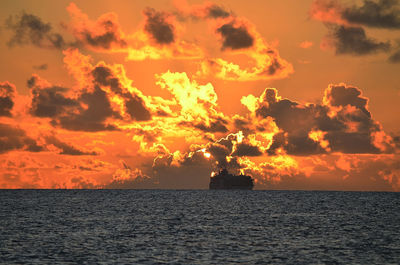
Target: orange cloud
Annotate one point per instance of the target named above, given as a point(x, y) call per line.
point(306, 44)
point(103, 132)
point(104, 33)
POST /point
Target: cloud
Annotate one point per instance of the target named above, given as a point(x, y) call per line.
point(342, 95)
point(354, 172)
point(104, 33)
point(160, 26)
point(41, 67)
point(306, 44)
point(267, 65)
point(99, 98)
point(376, 14)
point(235, 37)
point(205, 10)
point(48, 101)
point(30, 29)
point(346, 24)
point(128, 178)
point(198, 103)
point(353, 40)
point(215, 11)
point(7, 95)
point(395, 57)
point(65, 148)
point(342, 123)
point(180, 171)
point(134, 104)
point(86, 113)
point(14, 138)
point(379, 14)
point(245, 149)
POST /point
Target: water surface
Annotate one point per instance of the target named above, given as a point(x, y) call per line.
point(199, 227)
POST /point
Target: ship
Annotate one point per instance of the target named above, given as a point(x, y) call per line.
point(225, 181)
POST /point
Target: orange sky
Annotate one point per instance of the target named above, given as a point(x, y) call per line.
point(160, 94)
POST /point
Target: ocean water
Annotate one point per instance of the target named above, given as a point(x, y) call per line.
point(198, 227)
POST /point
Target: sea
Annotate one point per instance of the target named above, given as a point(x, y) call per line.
point(198, 227)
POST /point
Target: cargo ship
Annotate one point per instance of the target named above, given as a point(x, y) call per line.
point(225, 181)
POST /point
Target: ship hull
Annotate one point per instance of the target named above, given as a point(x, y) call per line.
point(229, 188)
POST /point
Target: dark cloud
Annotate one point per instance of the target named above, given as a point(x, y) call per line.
point(344, 121)
point(218, 124)
point(41, 67)
point(91, 108)
point(30, 29)
point(215, 11)
point(134, 104)
point(106, 39)
point(380, 14)
point(242, 124)
point(353, 40)
point(235, 37)
point(186, 173)
point(341, 95)
point(395, 57)
point(93, 117)
point(67, 149)
point(7, 93)
point(86, 113)
point(104, 33)
point(228, 146)
point(245, 149)
point(273, 67)
point(49, 101)
point(13, 138)
point(158, 26)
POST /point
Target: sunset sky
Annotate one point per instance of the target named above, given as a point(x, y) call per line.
point(161, 94)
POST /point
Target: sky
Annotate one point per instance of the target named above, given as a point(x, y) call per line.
point(162, 94)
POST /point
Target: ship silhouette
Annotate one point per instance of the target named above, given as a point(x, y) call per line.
point(225, 181)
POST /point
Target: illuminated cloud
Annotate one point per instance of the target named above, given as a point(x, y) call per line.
point(341, 124)
point(268, 65)
point(134, 104)
point(328, 11)
point(342, 95)
point(306, 44)
point(127, 178)
point(104, 33)
point(30, 29)
point(198, 103)
point(7, 95)
point(102, 132)
point(100, 97)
